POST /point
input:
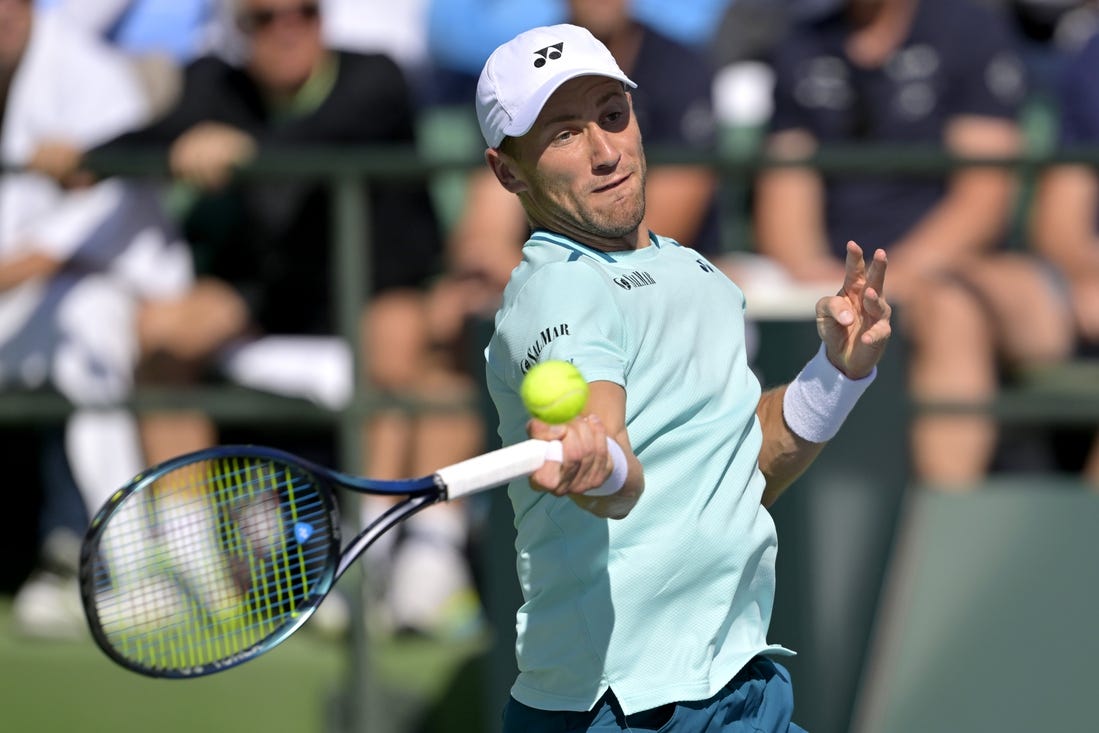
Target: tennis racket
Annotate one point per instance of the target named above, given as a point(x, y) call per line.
point(210, 559)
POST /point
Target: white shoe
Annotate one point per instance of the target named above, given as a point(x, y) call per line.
point(431, 591)
point(332, 619)
point(48, 606)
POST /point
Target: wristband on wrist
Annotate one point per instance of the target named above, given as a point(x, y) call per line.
point(819, 399)
point(617, 478)
point(614, 482)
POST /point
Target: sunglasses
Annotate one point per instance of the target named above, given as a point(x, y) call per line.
point(260, 19)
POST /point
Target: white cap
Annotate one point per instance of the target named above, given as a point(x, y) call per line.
point(523, 73)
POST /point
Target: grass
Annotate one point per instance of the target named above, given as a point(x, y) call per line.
point(57, 687)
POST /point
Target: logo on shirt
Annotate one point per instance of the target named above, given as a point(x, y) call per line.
point(545, 337)
point(549, 53)
point(635, 279)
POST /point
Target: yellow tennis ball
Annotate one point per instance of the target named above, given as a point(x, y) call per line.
point(554, 391)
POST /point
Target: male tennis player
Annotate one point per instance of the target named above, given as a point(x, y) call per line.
point(648, 606)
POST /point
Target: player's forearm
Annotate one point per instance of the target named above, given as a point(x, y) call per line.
point(784, 455)
point(608, 401)
point(619, 504)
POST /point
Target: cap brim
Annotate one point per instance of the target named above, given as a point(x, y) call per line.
point(525, 118)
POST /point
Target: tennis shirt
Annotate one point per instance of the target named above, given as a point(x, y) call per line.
point(670, 602)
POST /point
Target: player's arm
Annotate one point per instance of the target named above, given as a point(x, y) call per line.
point(587, 463)
point(784, 454)
point(799, 418)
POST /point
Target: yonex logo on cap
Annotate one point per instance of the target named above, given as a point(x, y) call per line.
point(549, 53)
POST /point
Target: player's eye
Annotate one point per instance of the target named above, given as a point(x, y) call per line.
point(563, 136)
point(615, 119)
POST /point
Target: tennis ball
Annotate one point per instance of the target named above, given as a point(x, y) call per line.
point(554, 391)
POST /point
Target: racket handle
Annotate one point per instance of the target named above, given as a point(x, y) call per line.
point(522, 459)
point(498, 467)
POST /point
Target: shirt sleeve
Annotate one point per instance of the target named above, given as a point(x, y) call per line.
point(564, 311)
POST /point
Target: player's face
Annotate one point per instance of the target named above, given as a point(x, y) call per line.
point(284, 41)
point(582, 164)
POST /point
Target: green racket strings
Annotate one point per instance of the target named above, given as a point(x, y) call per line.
point(207, 561)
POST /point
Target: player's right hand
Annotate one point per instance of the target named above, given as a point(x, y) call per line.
point(586, 464)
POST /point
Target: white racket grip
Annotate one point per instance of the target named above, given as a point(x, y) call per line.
point(522, 459)
point(617, 478)
point(498, 467)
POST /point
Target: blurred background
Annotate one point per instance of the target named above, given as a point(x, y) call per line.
point(268, 221)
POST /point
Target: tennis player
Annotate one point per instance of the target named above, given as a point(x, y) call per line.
point(647, 602)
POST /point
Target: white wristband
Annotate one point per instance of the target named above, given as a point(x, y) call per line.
point(614, 482)
point(820, 398)
point(617, 478)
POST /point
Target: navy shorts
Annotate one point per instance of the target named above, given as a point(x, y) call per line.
point(760, 699)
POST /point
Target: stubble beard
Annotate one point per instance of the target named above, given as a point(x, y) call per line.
point(618, 221)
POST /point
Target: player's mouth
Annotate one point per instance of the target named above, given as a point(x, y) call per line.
point(612, 185)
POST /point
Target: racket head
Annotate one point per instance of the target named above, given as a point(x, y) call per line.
point(210, 559)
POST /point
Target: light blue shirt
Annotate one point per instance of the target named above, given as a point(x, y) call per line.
point(670, 602)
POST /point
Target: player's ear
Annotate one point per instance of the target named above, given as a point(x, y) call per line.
point(505, 169)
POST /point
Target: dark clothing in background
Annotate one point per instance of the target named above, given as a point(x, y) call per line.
point(272, 238)
point(958, 59)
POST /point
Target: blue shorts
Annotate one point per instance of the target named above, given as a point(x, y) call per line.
point(760, 699)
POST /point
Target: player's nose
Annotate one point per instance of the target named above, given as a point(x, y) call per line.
point(604, 150)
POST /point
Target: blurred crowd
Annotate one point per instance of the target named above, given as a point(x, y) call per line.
point(108, 283)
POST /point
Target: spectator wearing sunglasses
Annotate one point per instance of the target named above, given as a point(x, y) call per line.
point(263, 251)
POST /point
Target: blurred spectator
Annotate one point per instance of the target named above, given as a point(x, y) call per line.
point(159, 35)
point(901, 72)
point(485, 24)
point(673, 104)
point(397, 29)
point(176, 29)
point(891, 71)
point(74, 266)
point(1049, 31)
point(262, 250)
point(1011, 310)
point(1066, 219)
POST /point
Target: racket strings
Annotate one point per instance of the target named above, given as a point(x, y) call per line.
point(209, 560)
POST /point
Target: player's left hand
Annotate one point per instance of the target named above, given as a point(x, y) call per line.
point(854, 323)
